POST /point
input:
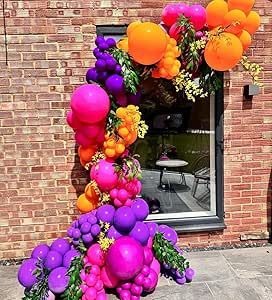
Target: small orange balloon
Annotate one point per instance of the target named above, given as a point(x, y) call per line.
point(86, 153)
point(234, 21)
point(216, 10)
point(244, 5)
point(123, 44)
point(223, 52)
point(132, 26)
point(147, 43)
point(253, 22)
point(245, 39)
point(90, 193)
point(84, 205)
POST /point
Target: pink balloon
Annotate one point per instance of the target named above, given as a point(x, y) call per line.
point(150, 243)
point(126, 266)
point(96, 255)
point(117, 202)
point(175, 31)
point(170, 14)
point(153, 276)
point(90, 293)
point(198, 16)
point(148, 256)
point(155, 265)
point(183, 9)
point(92, 131)
point(109, 280)
point(72, 120)
point(104, 175)
point(90, 103)
point(82, 139)
point(101, 296)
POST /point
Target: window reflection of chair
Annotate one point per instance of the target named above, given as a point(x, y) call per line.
point(201, 172)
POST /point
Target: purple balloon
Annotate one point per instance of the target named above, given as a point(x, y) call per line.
point(92, 219)
point(124, 219)
point(87, 238)
point(60, 245)
point(130, 256)
point(118, 69)
point(170, 234)
point(76, 234)
point(113, 233)
point(111, 42)
point(105, 213)
point(140, 232)
point(140, 209)
point(189, 274)
point(97, 53)
point(95, 230)
point(115, 84)
point(85, 227)
point(99, 40)
point(70, 232)
point(82, 219)
point(68, 257)
point(100, 65)
point(40, 251)
point(53, 260)
point(198, 16)
point(58, 280)
point(153, 228)
point(102, 76)
point(103, 46)
point(25, 273)
point(111, 64)
point(181, 280)
point(91, 75)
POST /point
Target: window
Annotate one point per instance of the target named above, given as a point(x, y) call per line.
point(181, 156)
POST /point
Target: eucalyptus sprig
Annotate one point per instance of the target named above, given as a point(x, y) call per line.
point(253, 69)
point(130, 73)
point(73, 291)
point(39, 290)
point(166, 253)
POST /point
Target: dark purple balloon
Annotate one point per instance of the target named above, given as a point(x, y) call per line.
point(171, 235)
point(68, 257)
point(99, 40)
point(106, 56)
point(91, 75)
point(53, 260)
point(105, 213)
point(103, 46)
point(113, 233)
point(124, 219)
point(60, 245)
point(95, 230)
point(134, 99)
point(115, 84)
point(58, 280)
point(97, 53)
point(100, 65)
point(153, 228)
point(40, 251)
point(140, 232)
point(111, 64)
point(111, 42)
point(87, 238)
point(140, 209)
point(25, 273)
point(118, 69)
point(102, 76)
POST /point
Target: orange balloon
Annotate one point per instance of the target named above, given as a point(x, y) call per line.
point(245, 39)
point(147, 43)
point(234, 20)
point(84, 205)
point(132, 26)
point(86, 153)
point(253, 22)
point(90, 193)
point(223, 52)
point(216, 10)
point(123, 44)
point(244, 5)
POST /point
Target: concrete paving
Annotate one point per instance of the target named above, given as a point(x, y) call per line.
point(236, 274)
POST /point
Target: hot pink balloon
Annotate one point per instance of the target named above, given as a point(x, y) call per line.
point(90, 103)
point(72, 120)
point(170, 14)
point(126, 249)
point(109, 280)
point(148, 256)
point(175, 31)
point(82, 139)
point(183, 9)
point(153, 276)
point(198, 16)
point(155, 265)
point(96, 255)
point(92, 131)
point(104, 175)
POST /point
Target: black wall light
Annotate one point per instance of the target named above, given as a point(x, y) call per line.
point(250, 90)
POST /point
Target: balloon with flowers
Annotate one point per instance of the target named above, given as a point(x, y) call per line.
point(191, 42)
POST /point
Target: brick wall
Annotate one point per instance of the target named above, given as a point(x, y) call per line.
point(49, 46)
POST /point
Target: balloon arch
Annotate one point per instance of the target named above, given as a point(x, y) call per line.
point(112, 247)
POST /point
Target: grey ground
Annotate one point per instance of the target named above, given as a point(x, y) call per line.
point(237, 274)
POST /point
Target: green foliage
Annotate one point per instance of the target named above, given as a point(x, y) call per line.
point(130, 73)
point(73, 291)
point(166, 253)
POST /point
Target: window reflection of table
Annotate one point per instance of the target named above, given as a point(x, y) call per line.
point(168, 164)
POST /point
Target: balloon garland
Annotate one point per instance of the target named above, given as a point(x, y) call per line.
point(112, 246)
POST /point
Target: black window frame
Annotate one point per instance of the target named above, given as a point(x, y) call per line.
point(205, 223)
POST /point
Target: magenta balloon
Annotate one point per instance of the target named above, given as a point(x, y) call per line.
point(175, 31)
point(124, 219)
point(82, 139)
point(140, 209)
point(109, 280)
point(72, 120)
point(58, 280)
point(92, 131)
point(130, 256)
point(183, 9)
point(104, 175)
point(69, 256)
point(53, 260)
point(60, 245)
point(148, 256)
point(96, 255)
point(155, 265)
point(198, 16)
point(153, 276)
point(90, 103)
point(25, 273)
point(121, 99)
point(170, 14)
point(40, 251)
point(140, 232)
